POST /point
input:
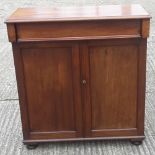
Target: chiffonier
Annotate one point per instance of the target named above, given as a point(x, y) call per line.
point(80, 72)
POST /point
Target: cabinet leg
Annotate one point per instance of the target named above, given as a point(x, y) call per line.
point(32, 146)
point(136, 142)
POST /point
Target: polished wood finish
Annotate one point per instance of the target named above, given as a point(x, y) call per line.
point(106, 12)
point(51, 78)
point(113, 71)
point(77, 30)
point(104, 82)
point(80, 72)
point(145, 28)
point(11, 32)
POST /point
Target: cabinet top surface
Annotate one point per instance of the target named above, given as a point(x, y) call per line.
point(133, 11)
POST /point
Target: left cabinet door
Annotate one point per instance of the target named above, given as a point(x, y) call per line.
point(48, 77)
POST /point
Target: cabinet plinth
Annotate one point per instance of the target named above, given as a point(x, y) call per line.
point(80, 72)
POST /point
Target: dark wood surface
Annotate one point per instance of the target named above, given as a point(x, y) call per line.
point(77, 30)
point(52, 88)
point(113, 71)
point(110, 86)
point(80, 79)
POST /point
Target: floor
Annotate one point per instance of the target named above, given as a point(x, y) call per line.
point(10, 124)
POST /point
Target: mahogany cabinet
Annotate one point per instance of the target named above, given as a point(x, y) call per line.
point(80, 72)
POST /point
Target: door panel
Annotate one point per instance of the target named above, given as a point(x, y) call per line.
point(113, 88)
point(52, 87)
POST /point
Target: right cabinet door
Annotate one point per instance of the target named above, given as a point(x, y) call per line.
point(115, 89)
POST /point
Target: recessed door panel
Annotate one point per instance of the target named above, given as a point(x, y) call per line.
point(113, 86)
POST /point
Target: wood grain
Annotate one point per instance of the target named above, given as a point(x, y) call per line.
point(107, 93)
point(145, 28)
point(11, 32)
point(106, 12)
point(80, 79)
point(113, 72)
point(50, 87)
point(82, 29)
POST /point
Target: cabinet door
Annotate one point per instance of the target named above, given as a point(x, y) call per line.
point(49, 89)
point(114, 90)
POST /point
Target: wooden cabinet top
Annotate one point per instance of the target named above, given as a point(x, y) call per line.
point(134, 11)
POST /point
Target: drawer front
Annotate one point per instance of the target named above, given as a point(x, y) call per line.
point(78, 30)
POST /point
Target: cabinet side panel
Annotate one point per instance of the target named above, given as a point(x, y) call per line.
point(142, 85)
point(113, 72)
point(49, 88)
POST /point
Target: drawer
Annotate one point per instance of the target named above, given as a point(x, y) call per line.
point(78, 30)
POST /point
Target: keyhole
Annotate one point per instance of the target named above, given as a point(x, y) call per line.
point(83, 81)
